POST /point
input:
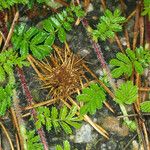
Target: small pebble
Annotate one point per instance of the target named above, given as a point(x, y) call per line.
point(123, 41)
point(85, 134)
point(112, 124)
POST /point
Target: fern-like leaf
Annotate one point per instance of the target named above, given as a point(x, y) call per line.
point(146, 8)
point(33, 141)
point(4, 4)
point(66, 146)
point(31, 39)
point(39, 41)
point(127, 93)
point(58, 119)
point(145, 106)
point(8, 59)
point(108, 25)
point(5, 98)
point(62, 22)
point(125, 63)
point(92, 97)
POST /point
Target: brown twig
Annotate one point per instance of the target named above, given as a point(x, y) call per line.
point(103, 2)
point(133, 115)
point(131, 15)
point(147, 32)
point(62, 2)
point(99, 81)
point(125, 24)
point(127, 39)
point(15, 123)
point(7, 135)
point(17, 142)
point(11, 31)
point(138, 84)
point(144, 89)
point(136, 27)
point(141, 24)
point(20, 124)
point(86, 4)
point(119, 43)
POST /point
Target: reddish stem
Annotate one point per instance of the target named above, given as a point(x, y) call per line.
point(30, 101)
point(98, 51)
point(96, 47)
point(3, 24)
point(147, 31)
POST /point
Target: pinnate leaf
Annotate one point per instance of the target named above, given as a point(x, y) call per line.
point(127, 93)
point(92, 97)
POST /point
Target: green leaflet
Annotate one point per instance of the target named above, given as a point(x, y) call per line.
point(66, 146)
point(33, 141)
point(108, 25)
point(61, 23)
point(127, 93)
point(62, 119)
point(8, 59)
point(62, 35)
point(5, 98)
point(146, 8)
point(4, 4)
point(92, 97)
point(2, 74)
point(32, 40)
point(145, 106)
point(39, 41)
point(125, 63)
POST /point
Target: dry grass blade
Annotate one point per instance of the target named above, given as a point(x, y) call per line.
point(7, 135)
point(11, 30)
point(87, 118)
point(136, 27)
point(86, 4)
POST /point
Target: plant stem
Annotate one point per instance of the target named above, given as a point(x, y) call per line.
point(11, 31)
point(20, 121)
point(100, 57)
point(147, 29)
point(30, 101)
point(98, 51)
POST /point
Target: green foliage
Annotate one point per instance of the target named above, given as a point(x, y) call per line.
point(143, 56)
point(5, 98)
point(31, 39)
point(108, 25)
point(63, 119)
point(145, 106)
point(51, 3)
point(92, 97)
point(8, 59)
point(131, 124)
point(66, 146)
point(39, 41)
point(125, 63)
point(146, 8)
point(8, 3)
point(33, 141)
point(61, 22)
point(127, 93)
